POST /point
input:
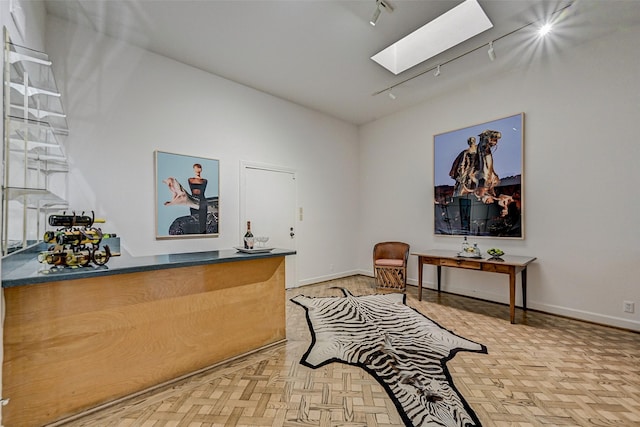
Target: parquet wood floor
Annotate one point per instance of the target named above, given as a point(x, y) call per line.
point(543, 371)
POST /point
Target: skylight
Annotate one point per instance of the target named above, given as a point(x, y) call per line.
point(449, 29)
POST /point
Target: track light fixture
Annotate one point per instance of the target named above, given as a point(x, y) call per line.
point(491, 52)
point(376, 15)
point(380, 5)
point(543, 30)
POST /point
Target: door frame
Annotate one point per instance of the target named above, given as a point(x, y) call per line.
point(244, 165)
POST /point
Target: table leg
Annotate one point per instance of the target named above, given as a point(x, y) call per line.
point(512, 295)
point(439, 276)
point(420, 267)
point(524, 288)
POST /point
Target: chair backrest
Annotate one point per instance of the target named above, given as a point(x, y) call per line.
point(391, 250)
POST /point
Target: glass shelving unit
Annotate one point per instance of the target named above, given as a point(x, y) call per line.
point(35, 126)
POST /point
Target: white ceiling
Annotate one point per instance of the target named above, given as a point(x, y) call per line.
point(316, 53)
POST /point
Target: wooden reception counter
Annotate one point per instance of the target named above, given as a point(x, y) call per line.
point(75, 340)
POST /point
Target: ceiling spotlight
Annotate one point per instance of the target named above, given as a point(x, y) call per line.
point(380, 4)
point(437, 72)
point(545, 29)
point(491, 52)
point(391, 95)
point(376, 15)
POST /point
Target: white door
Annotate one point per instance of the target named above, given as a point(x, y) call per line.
point(268, 200)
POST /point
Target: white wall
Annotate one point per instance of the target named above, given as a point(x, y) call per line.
point(123, 103)
point(32, 33)
point(581, 156)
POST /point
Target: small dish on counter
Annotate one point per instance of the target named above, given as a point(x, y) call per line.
point(495, 254)
point(254, 250)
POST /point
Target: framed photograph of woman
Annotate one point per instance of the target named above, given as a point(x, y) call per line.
point(478, 177)
point(187, 196)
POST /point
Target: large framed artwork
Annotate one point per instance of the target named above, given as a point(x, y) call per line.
point(478, 179)
point(187, 196)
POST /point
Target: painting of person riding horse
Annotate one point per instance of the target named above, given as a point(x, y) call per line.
point(478, 179)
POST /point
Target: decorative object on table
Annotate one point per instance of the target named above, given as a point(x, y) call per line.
point(262, 241)
point(76, 243)
point(495, 253)
point(405, 351)
point(465, 245)
point(468, 250)
point(182, 213)
point(248, 237)
point(478, 176)
point(253, 244)
point(390, 265)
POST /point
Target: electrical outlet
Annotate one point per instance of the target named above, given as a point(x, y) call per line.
point(628, 306)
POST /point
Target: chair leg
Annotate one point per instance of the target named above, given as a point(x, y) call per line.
point(393, 278)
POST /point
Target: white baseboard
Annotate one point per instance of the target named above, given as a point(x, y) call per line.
point(366, 273)
point(326, 278)
point(602, 319)
point(572, 313)
point(588, 316)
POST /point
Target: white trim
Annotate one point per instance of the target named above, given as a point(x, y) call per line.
point(579, 315)
point(328, 277)
point(571, 313)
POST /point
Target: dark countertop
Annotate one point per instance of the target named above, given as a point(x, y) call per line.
point(23, 268)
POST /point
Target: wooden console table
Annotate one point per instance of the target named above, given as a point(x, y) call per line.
point(511, 265)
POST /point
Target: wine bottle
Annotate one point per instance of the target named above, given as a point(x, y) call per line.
point(248, 237)
point(70, 221)
point(466, 247)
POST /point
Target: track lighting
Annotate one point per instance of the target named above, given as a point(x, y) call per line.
point(380, 4)
point(491, 52)
point(542, 31)
point(376, 15)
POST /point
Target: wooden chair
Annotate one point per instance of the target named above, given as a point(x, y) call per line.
point(390, 265)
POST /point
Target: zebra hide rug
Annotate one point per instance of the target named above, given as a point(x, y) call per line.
point(405, 351)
